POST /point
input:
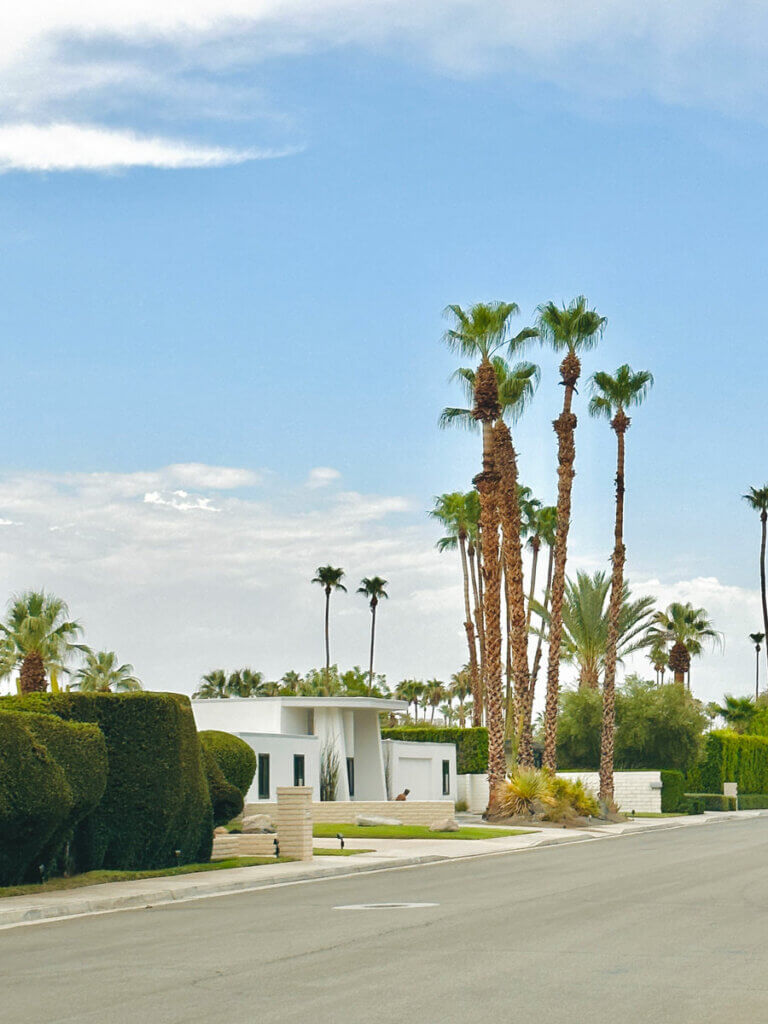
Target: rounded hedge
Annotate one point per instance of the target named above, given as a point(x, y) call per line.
point(235, 758)
point(227, 800)
point(156, 809)
point(35, 799)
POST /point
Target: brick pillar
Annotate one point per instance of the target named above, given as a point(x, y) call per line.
point(294, 821)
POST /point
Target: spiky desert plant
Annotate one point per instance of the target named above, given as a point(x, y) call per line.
point(517, 794)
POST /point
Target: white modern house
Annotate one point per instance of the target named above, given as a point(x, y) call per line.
point(291, 737)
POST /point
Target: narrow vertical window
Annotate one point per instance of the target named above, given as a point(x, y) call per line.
point(263, 776)
point(298, 769)
point(446, 778)
point(351, 775)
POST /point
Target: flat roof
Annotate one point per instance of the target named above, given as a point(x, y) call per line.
point(350, 703)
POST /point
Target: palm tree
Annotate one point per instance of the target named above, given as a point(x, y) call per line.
point(659, 658)
point(481, 333)
point(37, 638)
point(460, 689)
point(434, 693)
point(738, 712)
point(572, 329)
point(373, 588)
point(611, 397)
point(245, 683)
point(212, 686)
point(456, 514)
point(587, 622)
point(410, 690)
point(757, 639)
point(329, 579)
point(102, 674)
point(757, 499)
point(686, 629)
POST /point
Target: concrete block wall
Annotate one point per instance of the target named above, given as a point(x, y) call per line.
point(294, 821)
point(244, 846)
point(633, 791)
point(410, 812)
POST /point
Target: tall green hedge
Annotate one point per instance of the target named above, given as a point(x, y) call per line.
point(672, 791)
point(80, 751)
point(235, 758)
point(156, 808)
point(731, 757)
point(227, 800)
point(471, 744)
point(35, 799)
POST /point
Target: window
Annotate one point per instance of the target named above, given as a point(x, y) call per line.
point(351, 775)
point(263, 776)
point(446, 778)
point(298, 769)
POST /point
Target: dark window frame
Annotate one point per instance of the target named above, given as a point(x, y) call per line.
point(299, 770)
point(263, 776)
point(446, 778)
point(351, 775)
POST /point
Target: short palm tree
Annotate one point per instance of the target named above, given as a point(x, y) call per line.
point(101, 673)
point(480, 333)
point(373, 587)
point(410, 690)
point(757, 499)
point(329, 578)
point(460, 689)
point(434, 693)
point(38, 638)
point(738, 712)
point(245, 683)
point(659, 658)
point(212, 686)
point(570, 329)
point(685, 630)
point(612, 396)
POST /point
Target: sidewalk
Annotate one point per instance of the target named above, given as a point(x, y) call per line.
point(386, 854)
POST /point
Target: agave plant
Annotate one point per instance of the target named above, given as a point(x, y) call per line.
point(517, 794)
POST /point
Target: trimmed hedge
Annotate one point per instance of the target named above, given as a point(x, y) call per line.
point(713, 801)
point(35, 799)
point(156, 809)
point(753, 801)
point(80, 751)
point(672, 791)
point(227, 800)
point(235, 758)
point(731, 757)
point(471, 744)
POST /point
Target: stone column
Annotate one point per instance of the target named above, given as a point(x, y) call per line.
point(294, 821)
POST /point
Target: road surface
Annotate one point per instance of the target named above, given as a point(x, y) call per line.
point(666, 927)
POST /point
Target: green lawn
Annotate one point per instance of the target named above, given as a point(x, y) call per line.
point(325, 830)
point(323, 852)
point(100, 877)
point(657, 814)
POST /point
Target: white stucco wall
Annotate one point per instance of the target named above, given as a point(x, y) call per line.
point(419, 768)
point(281, 750)
point(633, 791)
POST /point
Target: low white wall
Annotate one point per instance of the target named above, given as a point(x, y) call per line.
point(418, 767)
point(409, 812)
point(633, 791)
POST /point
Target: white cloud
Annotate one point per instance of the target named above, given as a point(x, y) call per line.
point(69, 147)
point(179, 500)
point(217, 478)
point(321, 476)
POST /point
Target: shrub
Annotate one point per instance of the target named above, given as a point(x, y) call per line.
point(731, 757)
point(471, 744)
point(156, 809)
point(713, 801)
point(35, 799)
point(694, 806)
point(753, 801)
point(235, 758)
point(576, 795)
point(672, 791)
point(80, 751)
point(525, 787)
point(656, 726)
point(226, 799)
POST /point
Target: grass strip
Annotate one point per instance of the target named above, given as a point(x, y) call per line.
point(325, 830)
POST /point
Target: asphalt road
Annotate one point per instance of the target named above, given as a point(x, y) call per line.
point(666, 926)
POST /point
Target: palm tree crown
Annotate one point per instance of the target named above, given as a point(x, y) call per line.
point(686, 629)
point(38, 637)
point(102, 674)
point(757, 499)
point(574, 327)
point(612, 394)
point(329, 578)
point(517, 385)
point(373, 588)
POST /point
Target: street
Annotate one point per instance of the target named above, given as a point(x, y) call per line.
point(666, 926)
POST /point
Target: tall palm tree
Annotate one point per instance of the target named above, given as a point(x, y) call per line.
point(571, 329)
point(659, 658)
point(686, 629)
point(757, 499)
point(38, 638)
point(410, 690)
point(612, 395)
point(329, 579)
point(587, 625)
point(101, 673)
point(373, 588)
point(480, 333)
point(456, 514)
point(434, 693)
point(459, 690)
point(757, 639)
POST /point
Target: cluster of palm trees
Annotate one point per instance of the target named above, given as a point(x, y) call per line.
point(373, 588)
point(39, 643)
point(435, 695)
point(490, 525)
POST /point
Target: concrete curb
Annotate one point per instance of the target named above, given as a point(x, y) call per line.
point(16, 911)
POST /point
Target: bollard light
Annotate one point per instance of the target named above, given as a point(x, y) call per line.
point(178, 857)
point(277, 847)
point(340, 837)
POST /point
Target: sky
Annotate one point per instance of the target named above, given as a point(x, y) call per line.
point(227, 235)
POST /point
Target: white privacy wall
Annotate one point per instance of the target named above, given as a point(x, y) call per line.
point(281, 750)
point(633, 791)
point(419, 768)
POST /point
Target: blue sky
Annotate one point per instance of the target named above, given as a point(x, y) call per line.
point(279, 313)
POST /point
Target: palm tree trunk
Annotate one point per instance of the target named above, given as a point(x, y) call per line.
point(327, 642)
point(535, 545)
point(473, 675)
point(477, 696)
point(509, 509)
point(32, 674)
point(565, 428)
point(620, 424)
point(763, 520)
point(373, 635)
point(525, 753)
point(486, 483)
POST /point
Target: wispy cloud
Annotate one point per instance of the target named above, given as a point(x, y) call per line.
point(321, 476)
point(70, 147)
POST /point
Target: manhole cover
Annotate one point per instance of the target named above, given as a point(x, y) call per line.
point(385, 906)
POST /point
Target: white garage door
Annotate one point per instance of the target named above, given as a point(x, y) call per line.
point(415, 773)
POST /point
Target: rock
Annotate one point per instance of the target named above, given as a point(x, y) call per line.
point(370, 820)
point(257, 823)
point(220, 831)
point(449, 825)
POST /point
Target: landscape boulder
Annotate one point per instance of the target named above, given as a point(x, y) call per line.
point(448, 825)
point(371, 820)
point(257, 823)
